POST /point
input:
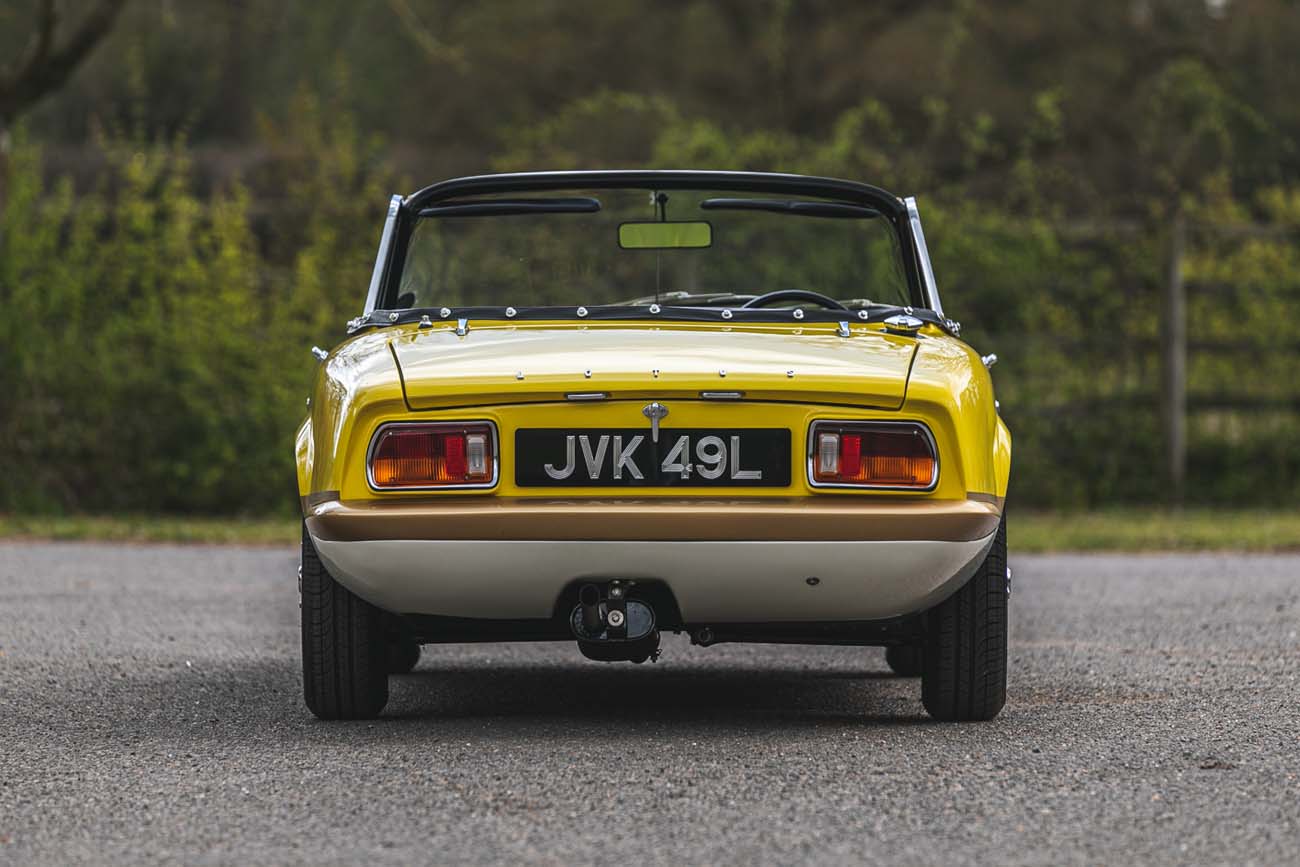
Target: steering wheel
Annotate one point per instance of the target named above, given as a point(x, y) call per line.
point(793, 295)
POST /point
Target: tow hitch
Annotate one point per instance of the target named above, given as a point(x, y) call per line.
point(611, 627)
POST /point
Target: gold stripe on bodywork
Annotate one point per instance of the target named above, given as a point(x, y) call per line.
point(991, 499)
point(681, 520)
point(311, 501)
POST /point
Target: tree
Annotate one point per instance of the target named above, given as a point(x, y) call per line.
point(46, 65)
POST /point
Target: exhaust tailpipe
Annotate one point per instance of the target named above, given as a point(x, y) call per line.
point(589, 606)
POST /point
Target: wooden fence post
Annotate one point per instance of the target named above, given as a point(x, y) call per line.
point(1173, 358)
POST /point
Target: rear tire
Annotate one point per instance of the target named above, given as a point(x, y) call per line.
point(344, 652)
point(904, 659)
point(965, 647)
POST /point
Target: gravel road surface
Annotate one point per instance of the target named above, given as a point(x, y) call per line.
point(150, 711)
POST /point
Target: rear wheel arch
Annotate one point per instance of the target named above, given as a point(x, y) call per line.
point(304, 453)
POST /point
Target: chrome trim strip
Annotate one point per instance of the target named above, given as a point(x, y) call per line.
point(923, 253)
point(811, 450)
point(586, 395)
point(381, 257)
point(722, 395)
point(482, 486)
point(647, 519)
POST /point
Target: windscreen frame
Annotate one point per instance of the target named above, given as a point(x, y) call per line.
point(891, 208)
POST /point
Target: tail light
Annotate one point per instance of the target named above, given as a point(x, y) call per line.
point(433, 455)
point(873, 455)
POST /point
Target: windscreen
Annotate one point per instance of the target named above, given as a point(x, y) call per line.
point(603, 247)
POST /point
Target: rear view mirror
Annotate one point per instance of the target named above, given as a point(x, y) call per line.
point(665, 236)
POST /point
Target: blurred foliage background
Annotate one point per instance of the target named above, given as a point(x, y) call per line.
point(197, 200)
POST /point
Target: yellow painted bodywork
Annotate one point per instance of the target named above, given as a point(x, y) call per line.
point(768, 363)
point(517, 374)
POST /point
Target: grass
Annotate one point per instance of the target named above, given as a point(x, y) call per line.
point(1127, 529)
point(152, 528)
point(1136, 529)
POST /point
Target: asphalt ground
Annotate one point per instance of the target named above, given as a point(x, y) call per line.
point(150, 711)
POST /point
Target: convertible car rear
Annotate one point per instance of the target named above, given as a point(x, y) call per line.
point(600, 406)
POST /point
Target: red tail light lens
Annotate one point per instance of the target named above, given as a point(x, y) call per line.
point(433, 455)
point(873, 455)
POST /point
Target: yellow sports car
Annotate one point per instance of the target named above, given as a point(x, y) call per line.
point(595, 406)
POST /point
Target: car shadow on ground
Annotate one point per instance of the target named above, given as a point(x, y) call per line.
point(623, 693)
point(208, 699)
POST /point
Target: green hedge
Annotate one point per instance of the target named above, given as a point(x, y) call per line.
point(154, 345)
point(154, 342)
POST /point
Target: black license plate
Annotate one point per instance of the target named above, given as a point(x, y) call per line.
point(629, 457)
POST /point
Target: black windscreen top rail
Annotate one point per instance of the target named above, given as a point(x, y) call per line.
point(508, 207)
point(792, 206)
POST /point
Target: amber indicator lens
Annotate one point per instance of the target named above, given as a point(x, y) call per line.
point(422, 456)
point(894, 456)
